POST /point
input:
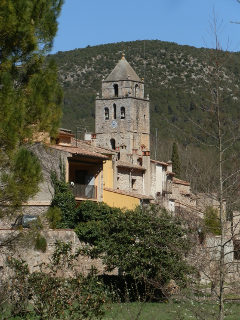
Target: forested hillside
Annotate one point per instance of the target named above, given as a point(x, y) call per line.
point(177, 78)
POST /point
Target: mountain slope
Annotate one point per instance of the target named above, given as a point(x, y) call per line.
point(177, 78)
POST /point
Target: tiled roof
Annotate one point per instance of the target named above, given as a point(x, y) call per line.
point(178, 181)
point(159, 162)
point(129, 165)
point(130, 194)
point(86, 145)
point(80, 151)
point(170, 173)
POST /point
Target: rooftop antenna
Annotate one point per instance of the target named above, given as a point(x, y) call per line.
point(156, 140)
point(144, 61)
point(79, 129)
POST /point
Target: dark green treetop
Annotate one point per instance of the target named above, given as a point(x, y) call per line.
point(145, 243)
point(30, 96)
point(176, 165)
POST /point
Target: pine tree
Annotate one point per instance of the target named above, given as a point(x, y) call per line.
point(176, 166)
point(30, 96)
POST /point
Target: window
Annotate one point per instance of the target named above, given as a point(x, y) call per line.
point(136, 90)
point(106, 113)
point(133, 183)
point(115, 86)
point(114, 111)
point(122, 113)
point(113, 144)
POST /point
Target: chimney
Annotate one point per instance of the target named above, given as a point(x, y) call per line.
point(169, 167)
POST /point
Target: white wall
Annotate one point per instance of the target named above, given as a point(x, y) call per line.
point(159, 178)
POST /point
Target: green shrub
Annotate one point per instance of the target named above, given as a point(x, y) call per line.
point(40, 243)
point(212, 221)
point(54, 216)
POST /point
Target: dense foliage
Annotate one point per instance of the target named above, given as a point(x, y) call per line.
point(212, 221)
point(49, 295)
point(63, 210)
point(30, 96)
point(145, 243)
point(21, 178)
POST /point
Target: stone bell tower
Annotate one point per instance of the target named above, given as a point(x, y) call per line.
point(122, 114)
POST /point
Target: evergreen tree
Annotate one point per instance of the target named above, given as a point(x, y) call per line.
point(176, 166)
point(30, 96)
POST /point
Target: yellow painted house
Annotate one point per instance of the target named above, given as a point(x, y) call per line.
point(92, 172)
point(115, 197)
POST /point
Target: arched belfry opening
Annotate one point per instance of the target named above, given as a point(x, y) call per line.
point(114, 111)
point(115, 87)
point(113, 144)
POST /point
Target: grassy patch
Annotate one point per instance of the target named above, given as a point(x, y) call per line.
point(169, 311)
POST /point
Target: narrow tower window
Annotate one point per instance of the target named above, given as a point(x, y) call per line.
point(122, 113)
point(133, 183)
point(136, 90)
point(106, 113)
point(114, 111)
point(113, 144)
point(115, 86)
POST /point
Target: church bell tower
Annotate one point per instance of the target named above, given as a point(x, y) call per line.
point(122, 113)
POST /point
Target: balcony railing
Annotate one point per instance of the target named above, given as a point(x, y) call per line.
point(84, 191)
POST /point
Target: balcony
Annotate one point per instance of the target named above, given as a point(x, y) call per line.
point(84, 191)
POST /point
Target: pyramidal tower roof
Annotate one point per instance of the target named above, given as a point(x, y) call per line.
point(123, 71)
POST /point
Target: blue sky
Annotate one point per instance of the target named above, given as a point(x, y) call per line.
point(93, 22)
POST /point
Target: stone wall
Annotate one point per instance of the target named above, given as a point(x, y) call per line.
point(50, 160)
point(124, 180)
point(183, 197)
point(32, 208)
point(25, 251)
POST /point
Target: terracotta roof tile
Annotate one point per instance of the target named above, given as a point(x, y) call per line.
point(86, 145)
point(178, 181)
point(80, 151)
point(129, 165)
point(170, 173)
point(159, 162)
